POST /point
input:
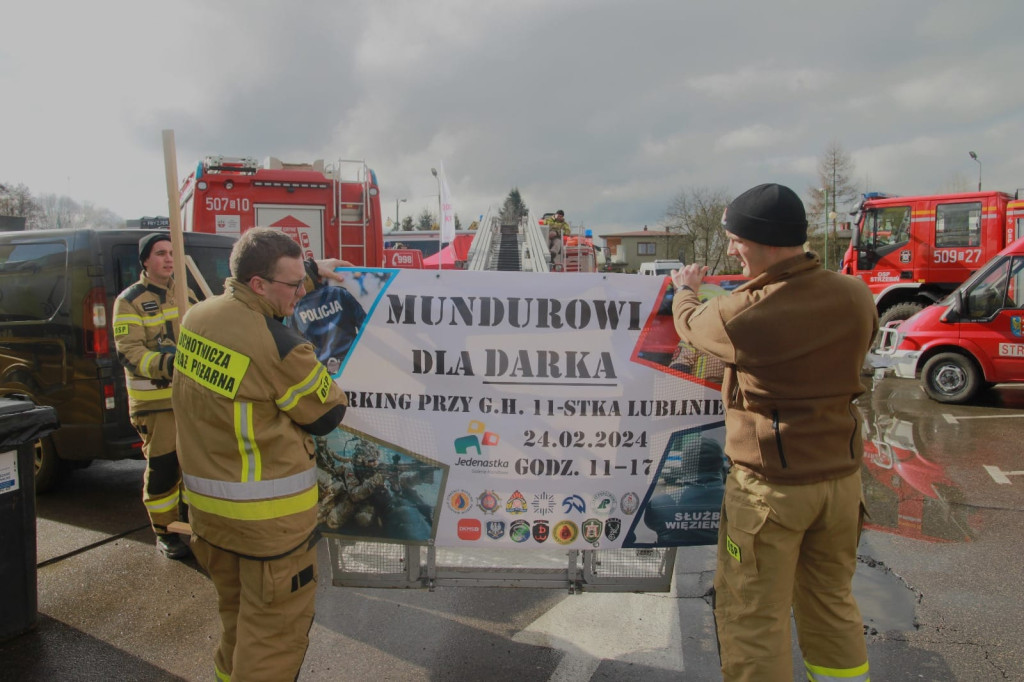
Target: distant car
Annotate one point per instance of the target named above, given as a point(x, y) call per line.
point(659, 268)
point(57, 291)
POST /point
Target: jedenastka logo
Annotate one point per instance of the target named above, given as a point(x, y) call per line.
point(471, 447)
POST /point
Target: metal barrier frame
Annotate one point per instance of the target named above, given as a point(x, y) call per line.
point(357, 563)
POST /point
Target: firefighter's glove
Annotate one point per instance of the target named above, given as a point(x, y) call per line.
point(167, 359)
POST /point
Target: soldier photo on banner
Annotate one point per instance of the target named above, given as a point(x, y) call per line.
point(368, 489)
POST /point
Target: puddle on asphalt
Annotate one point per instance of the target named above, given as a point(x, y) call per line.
point(886, 602)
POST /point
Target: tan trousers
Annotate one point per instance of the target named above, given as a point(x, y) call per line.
point(161, 484)
point(783, 547)
point(266, 611)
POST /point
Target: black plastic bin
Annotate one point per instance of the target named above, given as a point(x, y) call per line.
point(21, 424)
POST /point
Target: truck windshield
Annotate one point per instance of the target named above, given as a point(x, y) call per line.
point(885, 227)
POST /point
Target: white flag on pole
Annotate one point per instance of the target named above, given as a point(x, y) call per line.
point(447, 209)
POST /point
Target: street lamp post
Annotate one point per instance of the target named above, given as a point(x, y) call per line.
point(398, 224)
point(824, 191)
point(440, 227)
point(433, 171)
point(975, 157)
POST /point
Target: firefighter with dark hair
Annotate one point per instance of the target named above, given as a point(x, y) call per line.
point(256, 396)
point(557, 222)
point(145, 334)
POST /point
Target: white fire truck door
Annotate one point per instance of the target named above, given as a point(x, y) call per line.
point(304, 224)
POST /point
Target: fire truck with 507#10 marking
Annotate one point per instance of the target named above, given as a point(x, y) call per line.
point(332, 210)
point(913, 251)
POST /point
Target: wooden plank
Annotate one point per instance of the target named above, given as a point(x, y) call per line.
point(174, 213)
point(198, 275)
point(180, 527)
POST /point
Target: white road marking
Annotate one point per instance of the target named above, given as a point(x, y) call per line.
point(591, 627)
point(1001, 477)
point(953, 420)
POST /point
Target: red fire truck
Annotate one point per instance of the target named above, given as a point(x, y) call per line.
point(913, 251)
point(332, 211)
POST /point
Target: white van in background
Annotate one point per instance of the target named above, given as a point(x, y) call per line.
point(659, 268)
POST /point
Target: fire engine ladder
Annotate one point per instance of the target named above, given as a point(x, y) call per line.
point(352, 213)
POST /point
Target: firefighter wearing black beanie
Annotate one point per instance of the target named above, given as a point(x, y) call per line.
point(768, 214)
point(146, 245)
point(793, 341)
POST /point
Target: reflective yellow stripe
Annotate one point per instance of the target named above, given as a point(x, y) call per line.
point(162, 504)
point(247, 491)
point(127, 318)
point(318, 380)
point(252, 461)
point(260, 510)
point(818, 673)
point(146, 363)
point(144, 384)
point(160, 318)
point(221, 676)
point(158, 394)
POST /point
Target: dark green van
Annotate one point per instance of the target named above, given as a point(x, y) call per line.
point(57, 290)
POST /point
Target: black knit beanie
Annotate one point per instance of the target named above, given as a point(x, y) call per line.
point(768, 214)
point(146, 245)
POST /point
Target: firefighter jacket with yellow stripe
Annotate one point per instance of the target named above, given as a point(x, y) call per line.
point(249, 395)
point(145, 334)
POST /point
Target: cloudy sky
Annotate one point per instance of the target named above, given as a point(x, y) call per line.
point(604, 109)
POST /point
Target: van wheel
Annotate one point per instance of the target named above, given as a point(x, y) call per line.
point(951, 378)
point(49, 467)
point(895, 313)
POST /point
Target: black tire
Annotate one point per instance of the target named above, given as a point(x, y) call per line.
point(895, 313)
point(49, 467)
point(951, 378)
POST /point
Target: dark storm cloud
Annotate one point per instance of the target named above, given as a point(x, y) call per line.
point(605, 109)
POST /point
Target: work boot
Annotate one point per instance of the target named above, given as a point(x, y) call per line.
point(171, 546)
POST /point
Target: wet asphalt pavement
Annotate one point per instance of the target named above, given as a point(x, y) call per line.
point(938, 583)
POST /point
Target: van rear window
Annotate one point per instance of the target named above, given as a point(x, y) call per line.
point(32, 280)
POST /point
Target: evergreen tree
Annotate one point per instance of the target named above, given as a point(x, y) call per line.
point(426, 221)
point(514, 209)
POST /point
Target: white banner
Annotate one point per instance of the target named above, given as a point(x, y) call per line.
point(507, 410)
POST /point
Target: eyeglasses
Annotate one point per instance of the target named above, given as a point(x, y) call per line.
point(293, 285)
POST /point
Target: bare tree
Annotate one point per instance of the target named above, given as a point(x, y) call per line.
point(835, 181)
point(957, 183)
point(695, 215)
point(16, 200)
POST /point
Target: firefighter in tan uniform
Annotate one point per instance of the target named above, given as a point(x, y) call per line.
point(256, 395)
point(145, 334)
point(793, 340)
